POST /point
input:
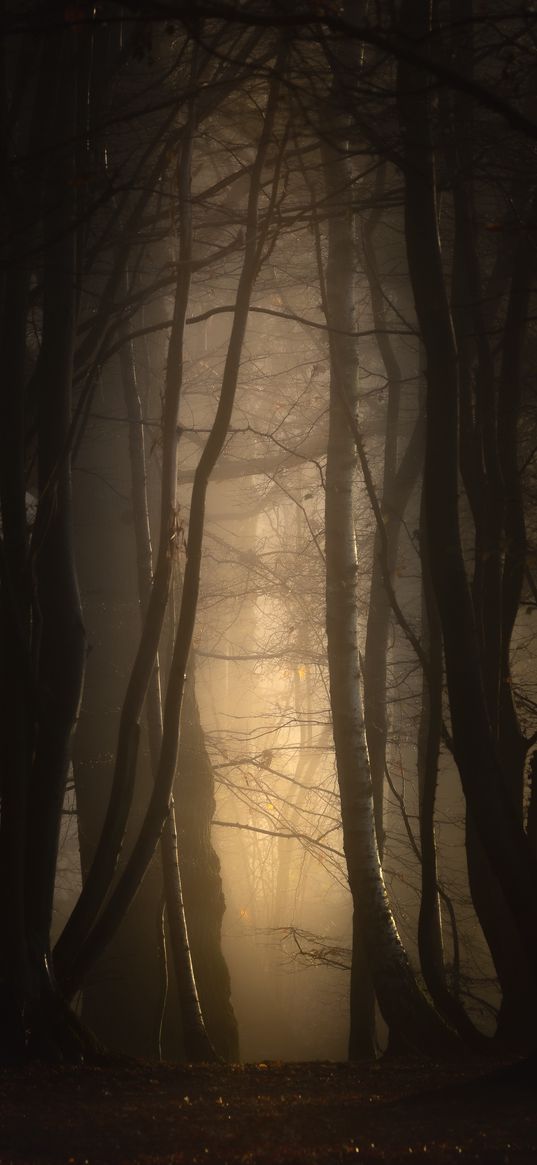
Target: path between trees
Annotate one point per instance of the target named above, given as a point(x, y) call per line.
point(141, 1114)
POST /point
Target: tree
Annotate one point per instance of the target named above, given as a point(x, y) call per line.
point(262, 132)
point(476, 626)
point(52, 651)
point(43, 635)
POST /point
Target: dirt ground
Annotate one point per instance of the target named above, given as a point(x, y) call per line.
point(140, 1114)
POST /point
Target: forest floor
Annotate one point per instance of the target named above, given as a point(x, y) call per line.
point(267, 1114)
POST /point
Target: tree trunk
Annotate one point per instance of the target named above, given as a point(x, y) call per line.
point(197, 1044)
point(404, 1008)
point(475, 747)
point(58, 632)
point(135, 867)
point(106, 856)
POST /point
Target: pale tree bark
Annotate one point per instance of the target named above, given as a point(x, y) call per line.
point(377, 948)
point(398, 481)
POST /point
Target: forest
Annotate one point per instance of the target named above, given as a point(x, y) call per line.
point(268, 576)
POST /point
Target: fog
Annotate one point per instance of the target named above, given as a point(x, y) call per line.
point(259, 660)
point(259, 392)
